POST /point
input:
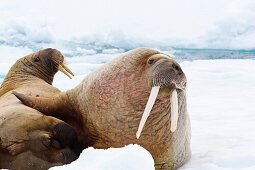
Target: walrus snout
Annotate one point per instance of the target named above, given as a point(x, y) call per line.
point(166, 72)
point(58, 58)
point(53, 60)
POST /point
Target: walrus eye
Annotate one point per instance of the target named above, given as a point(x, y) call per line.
point(151, 61)
point(37, 59)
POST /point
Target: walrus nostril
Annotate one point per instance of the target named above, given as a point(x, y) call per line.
point(175, 67)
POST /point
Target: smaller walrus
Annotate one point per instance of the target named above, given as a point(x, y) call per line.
point(29, 139)
point(39, 66)
point(109, 108)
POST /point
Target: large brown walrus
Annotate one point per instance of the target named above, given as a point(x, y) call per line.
point(110, 103)
point(29, 139)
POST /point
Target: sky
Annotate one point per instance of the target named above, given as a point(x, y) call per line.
point(218, 24)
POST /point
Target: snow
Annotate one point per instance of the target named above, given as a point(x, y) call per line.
point(128, 158)
point(220, 102)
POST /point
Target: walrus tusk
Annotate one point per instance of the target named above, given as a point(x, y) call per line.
point(174, 111)
point(67, 69)
point(64, 69)
point(147, 110)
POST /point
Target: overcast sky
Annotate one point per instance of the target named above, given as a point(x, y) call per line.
point(199, 21)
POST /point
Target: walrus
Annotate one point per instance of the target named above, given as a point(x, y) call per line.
point(137, 98)
point(29, 139)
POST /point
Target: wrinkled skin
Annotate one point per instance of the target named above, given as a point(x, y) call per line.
point(107, 106)
point(29, 139)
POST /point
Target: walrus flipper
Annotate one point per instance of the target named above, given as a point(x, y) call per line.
point(48, 106)
point(60, 144)
point(56, 106)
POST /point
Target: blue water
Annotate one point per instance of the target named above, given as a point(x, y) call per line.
point(212, 54)
point(1, 78)
point(180, 54)
point(185, 54)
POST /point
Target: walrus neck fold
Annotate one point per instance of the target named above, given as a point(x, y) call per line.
point(81, 113)
point(32, 71)
point(16, 78)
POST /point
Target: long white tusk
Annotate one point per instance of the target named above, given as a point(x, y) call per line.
point(63, 70)
point(147, 110)
point(174, 111)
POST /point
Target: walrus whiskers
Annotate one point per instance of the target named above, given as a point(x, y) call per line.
point(147, 110)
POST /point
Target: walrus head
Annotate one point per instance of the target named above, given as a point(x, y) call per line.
point(42, 64)
point(45, 64)
point(166, 74)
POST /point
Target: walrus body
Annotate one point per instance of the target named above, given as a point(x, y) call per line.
point(29, 139)
point(107, 106)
